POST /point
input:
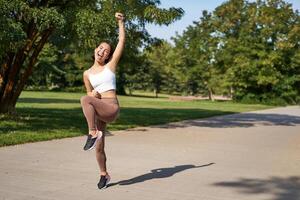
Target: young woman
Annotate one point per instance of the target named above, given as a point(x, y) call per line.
point(100, 106)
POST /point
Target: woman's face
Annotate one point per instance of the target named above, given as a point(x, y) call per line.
point(102, 52)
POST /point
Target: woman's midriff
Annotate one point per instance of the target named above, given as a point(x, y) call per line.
point(109, 94)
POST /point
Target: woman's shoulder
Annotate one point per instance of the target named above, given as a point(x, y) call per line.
point(111, 67)
point(86, 72)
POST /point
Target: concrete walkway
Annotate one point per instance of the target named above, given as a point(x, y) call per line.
point(253, 155)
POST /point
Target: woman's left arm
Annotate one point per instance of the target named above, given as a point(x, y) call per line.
point(120, 46)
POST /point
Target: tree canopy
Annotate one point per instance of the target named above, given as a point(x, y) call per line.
point(71, 29)
point(247, 50)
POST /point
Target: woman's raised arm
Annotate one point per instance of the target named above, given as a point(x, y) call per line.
point(120, 46)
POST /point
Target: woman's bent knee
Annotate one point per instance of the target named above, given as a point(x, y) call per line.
point(85, 99)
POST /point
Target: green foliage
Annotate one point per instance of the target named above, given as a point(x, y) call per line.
point(248, 50)
point(164, 75)
point(11, 34)
point(47, 72)
point(162, 16)
point(87, 23)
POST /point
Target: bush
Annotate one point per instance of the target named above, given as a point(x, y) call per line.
point(267, 98)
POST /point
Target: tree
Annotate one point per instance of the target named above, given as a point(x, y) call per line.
point(162, 66)
point(260, 49)
point(247, 49)
point(198, 46)
point(28, 25)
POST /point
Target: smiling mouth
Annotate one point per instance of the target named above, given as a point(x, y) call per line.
point(99, 55)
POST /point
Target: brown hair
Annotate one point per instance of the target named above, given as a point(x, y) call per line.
point(110, 53)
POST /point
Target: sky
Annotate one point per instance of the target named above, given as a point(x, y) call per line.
point(193, 11)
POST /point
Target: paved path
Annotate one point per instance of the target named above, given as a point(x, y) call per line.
point(253, 155)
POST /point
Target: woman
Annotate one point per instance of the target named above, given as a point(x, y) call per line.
point(101, 106)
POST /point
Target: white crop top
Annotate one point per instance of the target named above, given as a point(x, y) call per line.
point(103, 81)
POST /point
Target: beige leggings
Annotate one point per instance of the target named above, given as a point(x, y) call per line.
point(100, 111)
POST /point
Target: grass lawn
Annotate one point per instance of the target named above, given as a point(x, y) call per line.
point(50, 115)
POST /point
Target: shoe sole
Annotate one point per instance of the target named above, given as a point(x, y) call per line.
point(98, 138)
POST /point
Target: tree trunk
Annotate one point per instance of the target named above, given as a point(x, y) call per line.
point(231, 92)
point(12, 78)
point(130, 91)
point(210, 94)
point(121, 81)
point(120, 88)
point(7, 107)
point(156, 93)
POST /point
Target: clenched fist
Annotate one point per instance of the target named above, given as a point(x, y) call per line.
point(119, 16)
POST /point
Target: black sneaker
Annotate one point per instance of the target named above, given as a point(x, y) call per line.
point(90, 142)
point(104, 180)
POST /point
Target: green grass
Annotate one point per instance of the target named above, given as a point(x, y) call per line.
point(50, 115)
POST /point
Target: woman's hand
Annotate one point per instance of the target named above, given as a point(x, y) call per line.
point(94, 93)
point(120, 17)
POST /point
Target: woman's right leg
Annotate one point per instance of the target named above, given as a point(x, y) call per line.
point(101, 156)
point(100, 152)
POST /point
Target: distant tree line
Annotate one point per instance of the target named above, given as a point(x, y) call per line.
point(247, 50)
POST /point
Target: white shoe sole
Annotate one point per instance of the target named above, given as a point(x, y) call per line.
point(99, 135)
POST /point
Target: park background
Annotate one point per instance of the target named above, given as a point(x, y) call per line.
point(246, 51)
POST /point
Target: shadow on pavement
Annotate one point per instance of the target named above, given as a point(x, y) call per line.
point(239, 120)
point(56, 119)
point(157, 173)
point(280, 188)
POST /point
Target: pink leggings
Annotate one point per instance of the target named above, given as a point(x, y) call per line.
point(99, 111)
